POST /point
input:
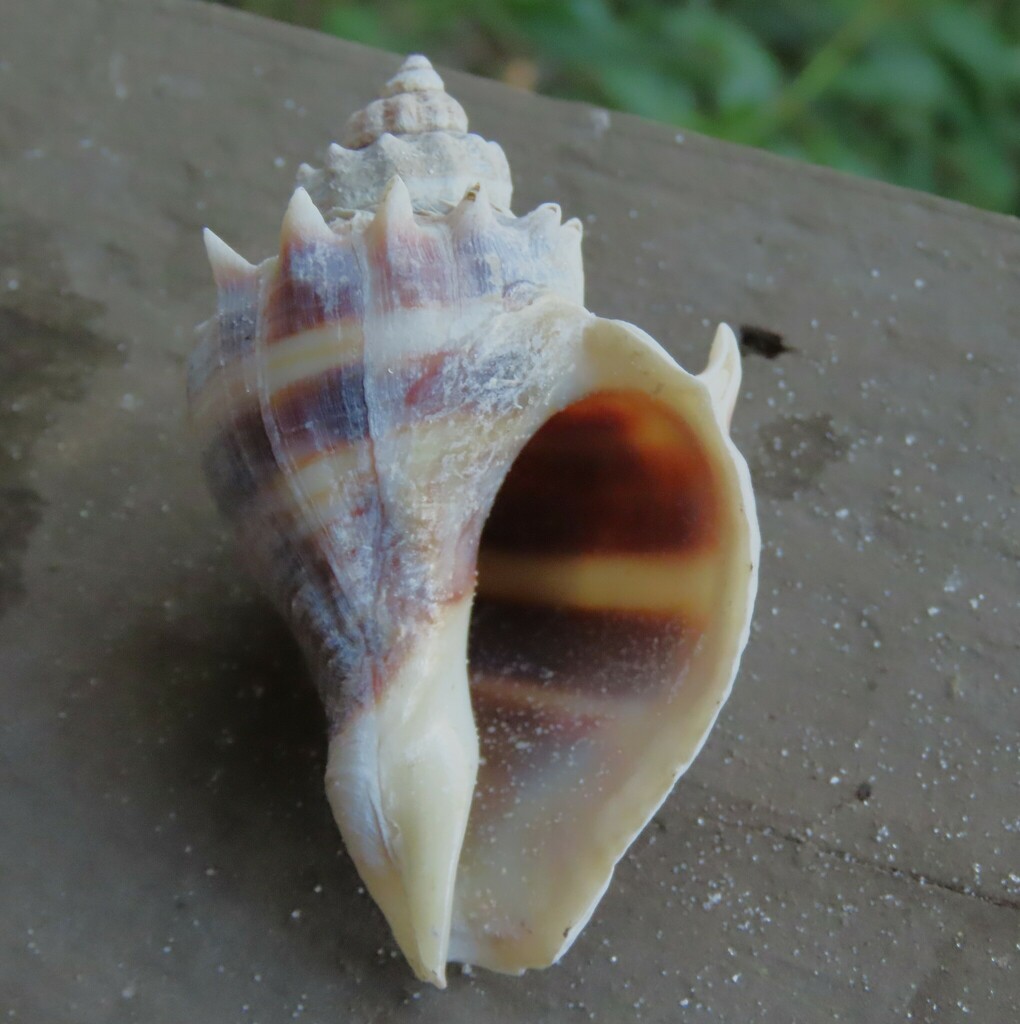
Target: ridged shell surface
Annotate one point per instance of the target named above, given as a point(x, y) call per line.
point(514, 539)
point(416, 131)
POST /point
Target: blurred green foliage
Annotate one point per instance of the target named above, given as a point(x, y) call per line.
point(923, 93)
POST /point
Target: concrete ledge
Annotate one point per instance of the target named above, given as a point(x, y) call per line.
point(848, 845)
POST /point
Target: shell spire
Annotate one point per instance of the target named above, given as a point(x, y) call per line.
point(415, 130)
point(413, 102)
point(416, 74)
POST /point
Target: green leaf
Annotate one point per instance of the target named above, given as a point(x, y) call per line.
point(721, 59)
point(978, 172)
point(359, 24)
point(969, 40)
point(647, 92)
point(896, 73)
point(584, 32)
point(823, 141)
point(789, 28)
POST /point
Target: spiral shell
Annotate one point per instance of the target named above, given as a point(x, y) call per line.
point(514, 539)
point(416, 132)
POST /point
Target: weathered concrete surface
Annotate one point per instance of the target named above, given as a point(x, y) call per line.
point(166, 853)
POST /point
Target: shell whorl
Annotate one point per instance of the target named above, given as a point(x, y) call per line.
point(415, 130)
point(414, 101)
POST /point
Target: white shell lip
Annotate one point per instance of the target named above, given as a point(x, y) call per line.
point(723, 374)
point(623, 354)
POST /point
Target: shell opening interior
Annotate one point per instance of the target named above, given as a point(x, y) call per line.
point(599, 566)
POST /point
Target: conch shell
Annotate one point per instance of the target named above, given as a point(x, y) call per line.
point(514, 539)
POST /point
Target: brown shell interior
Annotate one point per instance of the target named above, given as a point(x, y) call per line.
point(598, 567)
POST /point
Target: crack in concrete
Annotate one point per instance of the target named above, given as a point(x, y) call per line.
point(889, 870)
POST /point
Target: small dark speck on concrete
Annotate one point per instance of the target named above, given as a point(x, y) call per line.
point(863, 792)
point(762, 341)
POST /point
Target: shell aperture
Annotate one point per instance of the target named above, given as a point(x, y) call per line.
point(514, 539)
